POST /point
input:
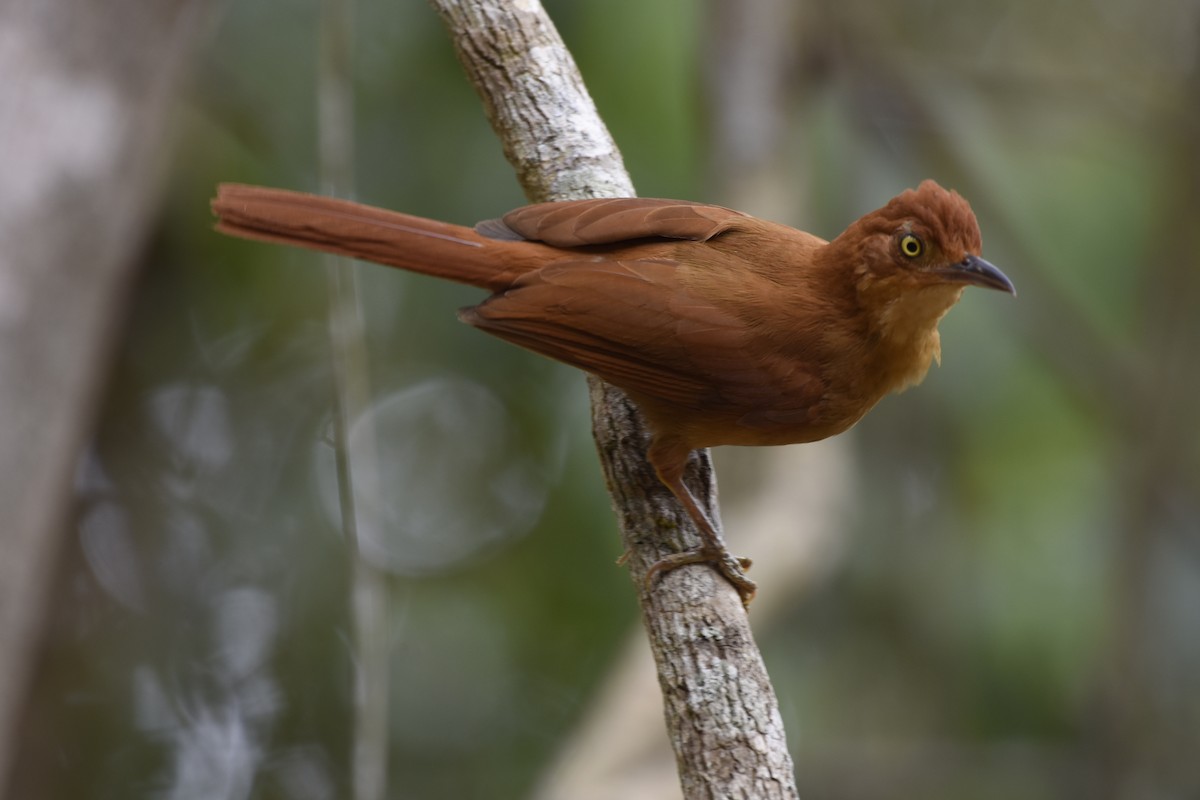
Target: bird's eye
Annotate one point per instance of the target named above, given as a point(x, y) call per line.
point(911, 246)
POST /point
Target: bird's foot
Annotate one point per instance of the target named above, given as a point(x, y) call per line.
point(730, 566)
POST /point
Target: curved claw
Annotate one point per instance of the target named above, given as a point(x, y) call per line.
point(731, 567)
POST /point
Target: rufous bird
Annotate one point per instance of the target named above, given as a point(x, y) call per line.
point(722, 328)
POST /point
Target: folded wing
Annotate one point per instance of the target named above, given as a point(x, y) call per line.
point(631, 323)
point(579, 223)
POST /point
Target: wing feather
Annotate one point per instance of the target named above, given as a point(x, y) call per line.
point(579, 223)
point(633, 324)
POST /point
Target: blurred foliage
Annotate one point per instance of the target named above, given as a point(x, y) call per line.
point(1016, 614)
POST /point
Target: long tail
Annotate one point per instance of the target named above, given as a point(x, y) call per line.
point(374, 234)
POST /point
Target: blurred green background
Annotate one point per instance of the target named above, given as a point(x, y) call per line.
point(1008, 600)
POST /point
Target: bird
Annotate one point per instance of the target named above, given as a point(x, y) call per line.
point(722, 328)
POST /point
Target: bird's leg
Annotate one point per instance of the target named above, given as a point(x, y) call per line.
point(669, 459)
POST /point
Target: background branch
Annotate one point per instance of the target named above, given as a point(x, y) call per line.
point(82, 134)
point(721, 711)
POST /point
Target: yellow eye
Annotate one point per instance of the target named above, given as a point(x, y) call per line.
point(911, 246)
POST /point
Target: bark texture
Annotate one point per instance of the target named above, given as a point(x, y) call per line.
point(721, 712)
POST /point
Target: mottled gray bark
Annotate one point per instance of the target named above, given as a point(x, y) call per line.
point(721, 711)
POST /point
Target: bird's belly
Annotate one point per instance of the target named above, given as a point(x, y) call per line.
point(789, 433)
point(712, 427)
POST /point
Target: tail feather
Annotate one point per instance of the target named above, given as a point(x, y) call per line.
point(330, 225)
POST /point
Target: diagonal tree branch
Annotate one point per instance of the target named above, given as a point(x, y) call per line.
point(721, 712)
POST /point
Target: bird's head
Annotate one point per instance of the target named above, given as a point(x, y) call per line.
point(909, 263)
point(924, 238)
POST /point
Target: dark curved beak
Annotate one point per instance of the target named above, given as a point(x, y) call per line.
point(977, 272)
